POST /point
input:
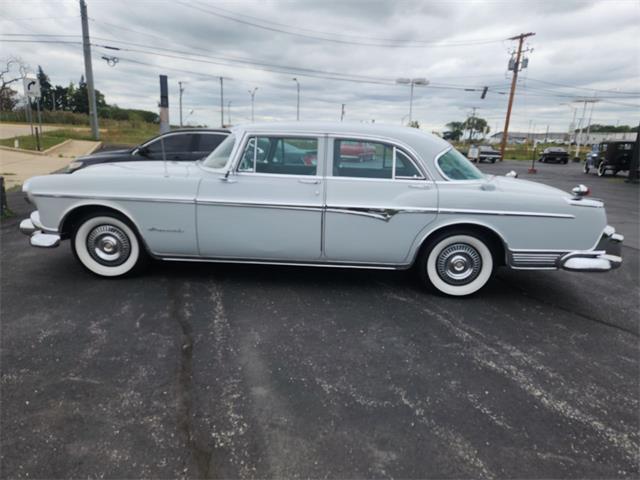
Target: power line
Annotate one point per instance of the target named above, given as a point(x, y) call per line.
point(333, 38)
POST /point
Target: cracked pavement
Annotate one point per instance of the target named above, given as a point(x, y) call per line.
point(232, 371)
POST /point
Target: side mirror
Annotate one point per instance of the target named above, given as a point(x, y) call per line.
point(143, 151)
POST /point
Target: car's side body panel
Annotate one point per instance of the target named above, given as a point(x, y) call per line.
point(184, 210)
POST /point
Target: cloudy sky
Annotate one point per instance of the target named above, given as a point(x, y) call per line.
point(344, 51)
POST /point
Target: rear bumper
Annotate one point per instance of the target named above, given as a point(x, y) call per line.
point(38, 238)
point(606, 256)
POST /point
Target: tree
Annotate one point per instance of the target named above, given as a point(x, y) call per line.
point(476, 125)
point(46, 100)
point(454, 132)
point(12, 70)
point(414, 124)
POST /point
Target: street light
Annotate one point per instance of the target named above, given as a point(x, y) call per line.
point(412, 82)
point(298, 103)
point(229, 111)
point(253, 95)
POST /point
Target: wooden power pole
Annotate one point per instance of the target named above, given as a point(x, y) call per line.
point(516, 68)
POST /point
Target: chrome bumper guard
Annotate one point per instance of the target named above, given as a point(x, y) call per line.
point(606, 256)
point(33, 228)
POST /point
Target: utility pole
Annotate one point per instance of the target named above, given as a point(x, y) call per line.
point(472, 123)
point(229, 112)
point(181, 90)
point(581, 123)
point(253, 96)
point(546, 134)
point(88, 71)
point(590, 117)
point(342, 113)
point(221, 103)
point(516, 68)
point(298, 103)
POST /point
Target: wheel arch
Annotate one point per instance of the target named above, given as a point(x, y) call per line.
point(74, 213)
point(498, 244)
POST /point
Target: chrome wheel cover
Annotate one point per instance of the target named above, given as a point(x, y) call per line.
point(458, 264)
point(108, 245)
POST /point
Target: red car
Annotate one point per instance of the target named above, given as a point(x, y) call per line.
point(357, 151)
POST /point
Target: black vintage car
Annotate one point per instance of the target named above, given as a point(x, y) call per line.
point(554, 155)
point(187, 144)
point(609, 157)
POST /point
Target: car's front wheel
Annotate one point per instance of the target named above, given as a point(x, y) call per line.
point(107, 245)
point(456, 263)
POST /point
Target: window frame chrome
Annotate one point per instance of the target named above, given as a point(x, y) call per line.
point(411, 155)
point(236, 156)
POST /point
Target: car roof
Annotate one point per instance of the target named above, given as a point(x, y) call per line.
point(426, 144)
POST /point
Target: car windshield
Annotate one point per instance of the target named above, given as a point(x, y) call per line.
point(220, 156)
point(455, 166)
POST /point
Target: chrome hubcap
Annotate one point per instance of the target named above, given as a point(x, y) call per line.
point(459, 264)
point(108, 245)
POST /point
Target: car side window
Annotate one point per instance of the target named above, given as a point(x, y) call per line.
point(365, 159)
point(172, 144)
point(207, 142)
point(280, 155)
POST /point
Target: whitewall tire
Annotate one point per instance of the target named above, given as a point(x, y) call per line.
point(457, 264)
point(107, 246)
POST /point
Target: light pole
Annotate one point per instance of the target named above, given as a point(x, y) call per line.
point(181, 90)
point(298, 103)
point(253, 96)
point(412, 82)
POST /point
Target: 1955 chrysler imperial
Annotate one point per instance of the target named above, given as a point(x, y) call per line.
point(291, 194)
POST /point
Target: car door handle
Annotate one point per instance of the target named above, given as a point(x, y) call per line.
point(424, 186)
point(309, 182)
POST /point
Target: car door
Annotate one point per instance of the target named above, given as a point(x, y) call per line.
point(376, 208)
point(270, 206)
point(177, 146)
point(206, 142)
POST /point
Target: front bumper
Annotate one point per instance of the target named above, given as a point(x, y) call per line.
point(606, 256)
point(38, 237)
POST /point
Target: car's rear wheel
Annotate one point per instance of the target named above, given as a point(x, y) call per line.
point(602, 170)
point(456, 263)
point(107, 245)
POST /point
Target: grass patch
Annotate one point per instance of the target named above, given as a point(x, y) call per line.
point(112, 132)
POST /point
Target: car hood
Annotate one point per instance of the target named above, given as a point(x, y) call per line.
point(526, 187)
point(106, 153)
point(147, 168)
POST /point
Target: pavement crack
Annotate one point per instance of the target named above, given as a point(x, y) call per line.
point(180, 311)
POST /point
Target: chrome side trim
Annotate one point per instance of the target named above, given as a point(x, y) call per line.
point(116, 198)
point(505, 213)
point(382, 213)
point(532, 260)
point(367, 266)
point(281, 206)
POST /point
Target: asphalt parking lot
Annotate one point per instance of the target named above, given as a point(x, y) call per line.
point(228, 371)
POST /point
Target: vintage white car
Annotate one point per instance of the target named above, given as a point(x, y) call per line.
point(291, 194)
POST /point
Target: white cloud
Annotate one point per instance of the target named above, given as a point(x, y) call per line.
point(578, 43)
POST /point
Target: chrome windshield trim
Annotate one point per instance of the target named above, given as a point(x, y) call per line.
point(436, 162)
point(506, 213)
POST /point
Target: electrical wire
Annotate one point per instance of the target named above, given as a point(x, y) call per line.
point(333, 37)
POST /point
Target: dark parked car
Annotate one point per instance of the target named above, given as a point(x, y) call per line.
point(610, 156)
point(179, 145)
point(554, 155)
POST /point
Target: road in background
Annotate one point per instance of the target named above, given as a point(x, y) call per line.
point(209, 371)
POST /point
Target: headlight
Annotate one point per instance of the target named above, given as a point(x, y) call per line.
point(73, 166)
